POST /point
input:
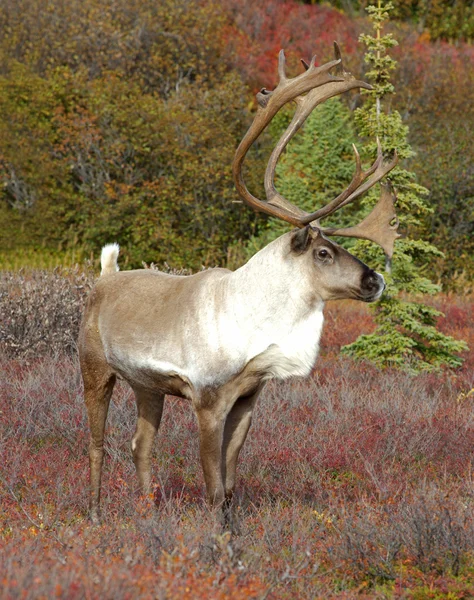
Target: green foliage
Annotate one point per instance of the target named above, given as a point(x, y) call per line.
point(380, 63)
point(99, 142)
point(406, 335)
point(407, 338)
point(441, 19)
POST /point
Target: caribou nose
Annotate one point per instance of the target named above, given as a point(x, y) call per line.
point(373, 284)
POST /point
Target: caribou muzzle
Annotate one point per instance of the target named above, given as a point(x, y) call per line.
point(372, 286)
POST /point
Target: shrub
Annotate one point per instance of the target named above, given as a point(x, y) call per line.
point(354, 479)
point(40, 311)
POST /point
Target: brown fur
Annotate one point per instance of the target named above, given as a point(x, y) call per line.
point(124, 305)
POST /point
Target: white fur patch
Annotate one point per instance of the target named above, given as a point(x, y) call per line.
point(382, 286)
point(279, 366)
point(108, 259)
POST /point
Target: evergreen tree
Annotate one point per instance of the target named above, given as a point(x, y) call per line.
point(406, 334)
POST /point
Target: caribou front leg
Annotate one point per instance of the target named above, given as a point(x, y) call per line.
point(236, 429)
point(211, 423)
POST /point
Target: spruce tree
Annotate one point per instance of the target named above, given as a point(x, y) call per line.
point(406, 335)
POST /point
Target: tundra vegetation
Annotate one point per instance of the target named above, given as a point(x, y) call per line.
point(119, 123)
point(360, 482)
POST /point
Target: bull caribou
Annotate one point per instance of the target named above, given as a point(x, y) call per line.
point(216, 337)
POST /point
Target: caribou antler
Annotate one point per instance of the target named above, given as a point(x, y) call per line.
point(318, 85)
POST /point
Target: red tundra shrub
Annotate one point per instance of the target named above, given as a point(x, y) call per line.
point(353, 479)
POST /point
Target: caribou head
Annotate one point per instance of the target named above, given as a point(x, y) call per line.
point(336, 273)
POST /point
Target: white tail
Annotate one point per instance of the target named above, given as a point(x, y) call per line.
point(108, 259)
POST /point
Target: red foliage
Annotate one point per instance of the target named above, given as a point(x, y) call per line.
point(260, 30)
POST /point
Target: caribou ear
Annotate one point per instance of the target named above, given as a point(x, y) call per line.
point(302, 238)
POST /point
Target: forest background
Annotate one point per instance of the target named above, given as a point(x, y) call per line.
point(119, 121)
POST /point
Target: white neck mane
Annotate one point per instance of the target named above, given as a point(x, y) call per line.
point(272, 307)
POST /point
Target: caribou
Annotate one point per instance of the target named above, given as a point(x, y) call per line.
point(216, 337)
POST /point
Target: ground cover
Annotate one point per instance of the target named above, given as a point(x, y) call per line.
point(354, 483)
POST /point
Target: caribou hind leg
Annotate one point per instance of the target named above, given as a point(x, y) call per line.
point(99, 381)
point(150, 408)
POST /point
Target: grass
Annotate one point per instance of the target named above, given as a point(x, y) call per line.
point(40, 258)
point(353, 483)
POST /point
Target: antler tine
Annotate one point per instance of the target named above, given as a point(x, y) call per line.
point(372, 176)
point(269, 104)
point(282, 65)
point(337, 56)
point(305, 105)
point(378, 170)
point(355, 188)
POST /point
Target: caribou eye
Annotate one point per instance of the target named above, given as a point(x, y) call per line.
point(324, 256)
